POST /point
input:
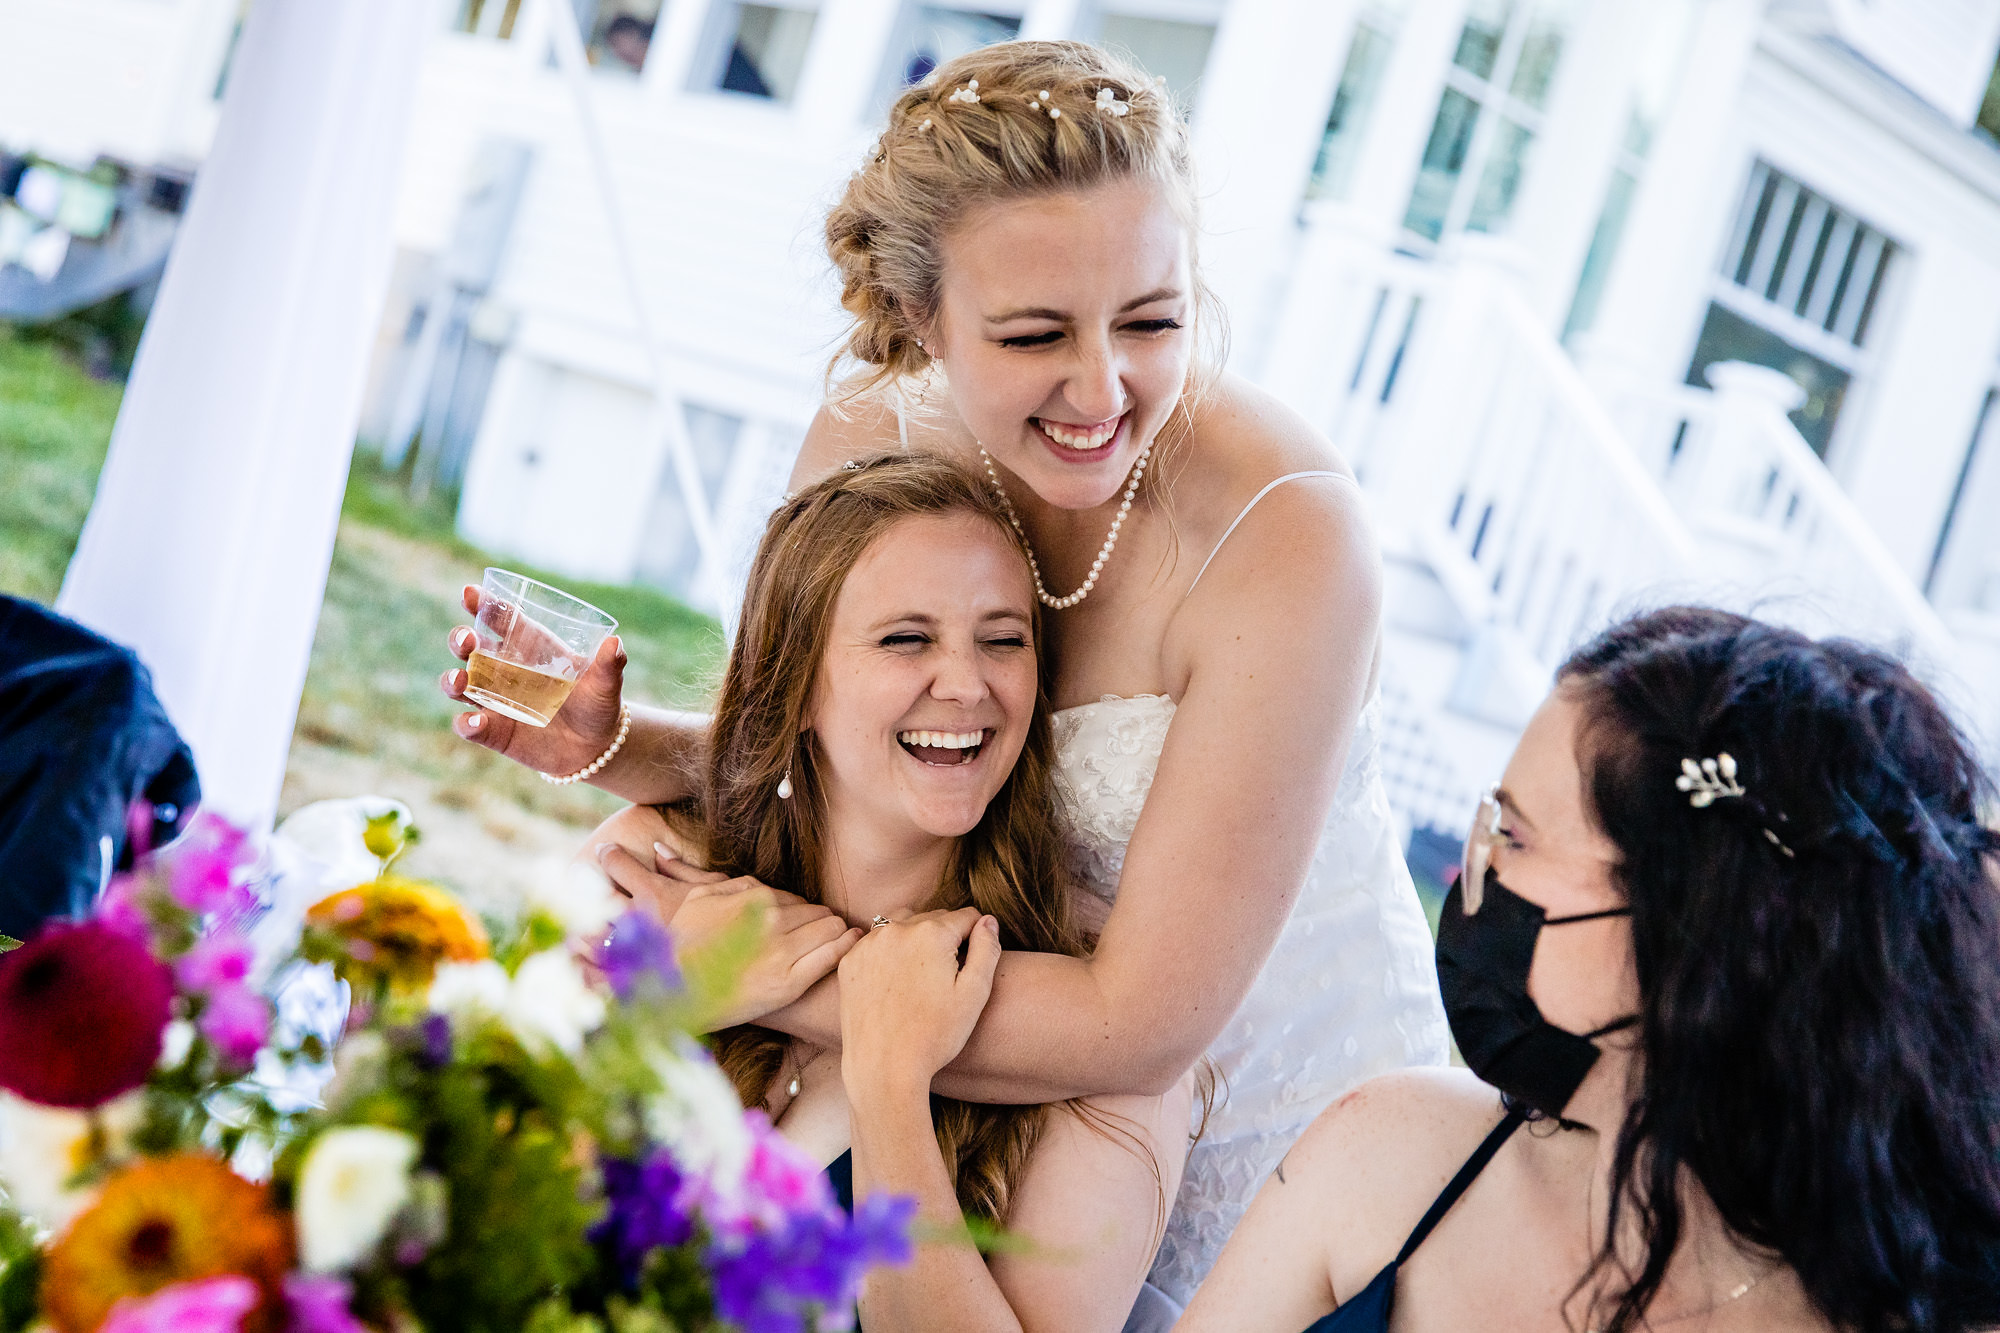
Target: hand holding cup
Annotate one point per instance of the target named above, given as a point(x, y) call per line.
point(556, 651)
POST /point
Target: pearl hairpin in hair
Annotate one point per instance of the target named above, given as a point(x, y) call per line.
point(1109, 101)
point(968, 94)
point(1710, 780)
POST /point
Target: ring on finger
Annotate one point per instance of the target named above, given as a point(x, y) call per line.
point(879, 922)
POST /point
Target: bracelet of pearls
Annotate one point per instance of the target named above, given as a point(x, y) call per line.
point(592, 769)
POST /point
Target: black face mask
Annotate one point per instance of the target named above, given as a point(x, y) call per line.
point(1483, 963)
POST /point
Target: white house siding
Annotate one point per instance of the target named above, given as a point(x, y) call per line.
point(134, 79)
point(1942, 49)
point(1935, 335)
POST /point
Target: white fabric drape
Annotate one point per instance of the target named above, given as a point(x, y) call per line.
point(208, 544)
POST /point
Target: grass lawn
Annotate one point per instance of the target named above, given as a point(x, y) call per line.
point(371, 719)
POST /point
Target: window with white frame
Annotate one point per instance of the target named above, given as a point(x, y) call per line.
point(1167, 38)
point(1799, 285)
point(931, 32)
point(1354, 100)
point(618, 34)
point(1662, 59)
point(1495, 94)
point(756, 50)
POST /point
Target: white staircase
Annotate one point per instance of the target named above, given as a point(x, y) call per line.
point(1521, 511)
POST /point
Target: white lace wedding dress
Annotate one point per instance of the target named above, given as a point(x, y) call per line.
point(1350, 991)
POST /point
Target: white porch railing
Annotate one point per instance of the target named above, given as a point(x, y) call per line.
point(1485, 451)
point(1769, 511)
point(1545, 514)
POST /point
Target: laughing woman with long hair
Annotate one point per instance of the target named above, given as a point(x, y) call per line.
point(881, 746)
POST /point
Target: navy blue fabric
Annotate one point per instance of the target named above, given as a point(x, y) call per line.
point(82, 736)
point(1371, 1307)
point(841, 1174)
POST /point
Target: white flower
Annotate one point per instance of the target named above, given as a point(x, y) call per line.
point(550, 1002)
point(697, 1115)
point(43, 1147)
point(580, 899)
point(354, 1181)
point(176, 1040)
point(465, 992)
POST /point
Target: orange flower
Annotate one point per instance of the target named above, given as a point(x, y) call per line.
point(160, 1221)
point(396, 930)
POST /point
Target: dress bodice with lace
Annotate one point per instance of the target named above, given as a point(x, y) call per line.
point(1349, 991)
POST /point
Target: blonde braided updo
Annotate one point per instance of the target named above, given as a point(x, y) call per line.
point(1007, 120)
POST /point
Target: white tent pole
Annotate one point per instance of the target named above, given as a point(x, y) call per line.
point(207, 547)
point(668, 417)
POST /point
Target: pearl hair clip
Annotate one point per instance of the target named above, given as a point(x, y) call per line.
point(968, 94)
point(1108, 100)
point(1711, 780)
point(1039, 102)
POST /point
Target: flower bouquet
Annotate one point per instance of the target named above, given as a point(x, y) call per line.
point(513, 1128)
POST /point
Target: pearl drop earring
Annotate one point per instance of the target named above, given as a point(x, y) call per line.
point(785, 786)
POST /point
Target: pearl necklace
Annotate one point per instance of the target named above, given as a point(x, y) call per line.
point(1104, 552)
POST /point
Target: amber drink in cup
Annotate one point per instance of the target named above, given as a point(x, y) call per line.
point(532, 642)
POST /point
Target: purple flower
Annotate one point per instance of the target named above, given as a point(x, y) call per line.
point(436, 1033)
point(219, 958)
point(319, 1305)
point(638, 950)
point(646, 1210)
point(778, 1280)
point(235, 1019)
point(211, 1305)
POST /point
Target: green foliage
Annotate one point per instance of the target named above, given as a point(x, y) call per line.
point(20, 1272)
point(391, 596)
point(55, 426)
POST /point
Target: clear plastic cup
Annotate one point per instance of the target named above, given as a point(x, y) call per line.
point(533, 641)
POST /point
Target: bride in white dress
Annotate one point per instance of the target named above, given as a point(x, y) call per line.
point(1018, 257)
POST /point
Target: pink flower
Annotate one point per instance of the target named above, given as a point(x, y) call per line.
point(319, 1305)
point(781, 1181)
point(82, 1009)
point(235, 1019)
point(118, 907)
point(211, 1305)
point(202, 864)
point(220, 958)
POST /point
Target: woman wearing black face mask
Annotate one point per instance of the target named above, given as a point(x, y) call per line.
point(1726, 956)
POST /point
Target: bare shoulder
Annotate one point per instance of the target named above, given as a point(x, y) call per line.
point(843, 429)
point(1382, 1152)
point(1245, 440)
point(1261, 435)
point(637, 827)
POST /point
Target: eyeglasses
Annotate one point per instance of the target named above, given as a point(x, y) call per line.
point(1479, 840)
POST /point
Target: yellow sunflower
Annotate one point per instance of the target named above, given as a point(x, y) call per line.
point(397, 931)
point(160, 1221)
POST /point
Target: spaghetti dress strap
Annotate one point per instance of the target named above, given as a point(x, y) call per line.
point(1368, 1310)
point(1268, 488)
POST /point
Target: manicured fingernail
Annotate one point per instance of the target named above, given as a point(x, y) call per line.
point(992, 923)
point(601, 850)
point(661, 850)
point(474, 721)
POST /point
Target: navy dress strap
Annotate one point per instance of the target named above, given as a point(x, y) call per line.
point(840, 1174)
point(1369, 1310)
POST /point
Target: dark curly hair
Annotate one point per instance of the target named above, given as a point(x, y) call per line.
point(1821, 1030)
